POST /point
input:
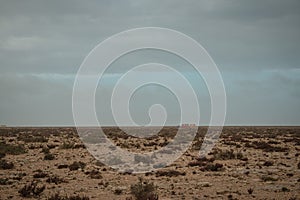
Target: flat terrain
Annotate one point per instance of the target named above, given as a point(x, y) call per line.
point(246, 163)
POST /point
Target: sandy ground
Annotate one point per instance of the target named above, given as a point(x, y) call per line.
point(246, 163)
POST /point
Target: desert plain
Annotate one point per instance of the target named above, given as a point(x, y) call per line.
point(246, 163)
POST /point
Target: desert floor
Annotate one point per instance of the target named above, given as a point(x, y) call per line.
point(246, 163)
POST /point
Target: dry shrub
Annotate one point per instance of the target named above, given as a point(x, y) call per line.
point(143, 190)
point(170, 173)
point(31, 189)
point(6, 165)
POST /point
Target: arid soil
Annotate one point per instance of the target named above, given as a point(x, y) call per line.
point(246, 163)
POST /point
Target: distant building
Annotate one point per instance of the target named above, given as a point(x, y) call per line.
point(188, 125)
point(2, 126)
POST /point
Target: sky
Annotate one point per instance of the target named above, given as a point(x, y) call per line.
point(255, 45)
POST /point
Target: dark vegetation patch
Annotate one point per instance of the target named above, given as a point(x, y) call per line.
point(62, 166)
point(49, 156)
point(31, 190)
point(118, 191)
point(18, 176)
point(5, 181)
point(11, 149)
point(31, 138)
point(45, 150)
point(71, 145)
point(55, 179)
point(266, 146)
point(57, 196)
point(250, 190)
point(5, 164)
point(94, 174)
point(201, 161)
point(40, 174)
point(266, 178)
point(52, 146)
point(220, 154)
point(285, 189)
point(2, 155)
point(212, 167)
point(268, 163)
point(170, 173)
point(77, 165)
point(143, 190)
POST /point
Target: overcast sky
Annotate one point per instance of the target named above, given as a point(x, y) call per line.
point(254, 43)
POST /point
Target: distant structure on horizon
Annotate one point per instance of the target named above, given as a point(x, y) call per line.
point(2, 126)
point(188, 125)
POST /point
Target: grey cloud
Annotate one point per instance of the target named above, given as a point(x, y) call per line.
point(245, 38)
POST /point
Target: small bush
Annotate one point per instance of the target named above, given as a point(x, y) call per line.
point(51, 146)
point(118, 191)
point(19, 176)
point(55, 179)
point(202, 161)
point(212, 167)
point(228, 154)
point(49, 156)
point(170, 173)
point(45, 150)
point(144, 190)
point(60, 197)
point(11, 149)
point(266, 147)
point(67, 145)
point(2, 155)
point(268, 178)
point(5, 181)
point(31, 189)
point(285, 189)
point(268, 163)
point(94, 174)
point(224, 155)
point(62, 166)
point(6, 165)
point(40, 174)
point(31, 139)
point(77, 165)
point(250, 190)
